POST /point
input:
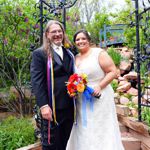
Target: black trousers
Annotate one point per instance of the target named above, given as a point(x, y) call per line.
point(59, 134)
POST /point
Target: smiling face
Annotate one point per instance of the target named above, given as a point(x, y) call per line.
point(82, 42)
point(55, 34)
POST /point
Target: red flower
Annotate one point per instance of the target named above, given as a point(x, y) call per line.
point(76, 84)
point(73, 78)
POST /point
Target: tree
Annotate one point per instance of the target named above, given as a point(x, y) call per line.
point(96, 24)
point(16, 25)
point(73, 22)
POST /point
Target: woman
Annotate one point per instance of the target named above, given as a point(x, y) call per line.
point(101, 131)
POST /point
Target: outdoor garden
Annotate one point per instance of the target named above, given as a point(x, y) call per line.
point(21, 29)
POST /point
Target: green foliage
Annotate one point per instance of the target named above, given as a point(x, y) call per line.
point(116, 56)
point(131, 105)
point(12, 97)
point(122, 16)
point(15, 38)
point(16, 35)
point(73, 22)
point(130, 36)
point(114, 85)
point(96, 24)
point(129, 96)
point(146, 115)
point(16, 133)
point(143, 68)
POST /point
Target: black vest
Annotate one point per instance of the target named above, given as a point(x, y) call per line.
point(62, 72)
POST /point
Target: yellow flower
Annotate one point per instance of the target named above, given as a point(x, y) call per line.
point(80, 88)
point(67, 45)
point(84, 76)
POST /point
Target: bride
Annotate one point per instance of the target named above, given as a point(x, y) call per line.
point(101, 130)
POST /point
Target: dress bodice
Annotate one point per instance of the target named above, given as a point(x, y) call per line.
point(90, 66)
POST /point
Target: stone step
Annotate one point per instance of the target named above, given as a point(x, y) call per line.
point(129, 142)
point(144, 146)
point(123, 128)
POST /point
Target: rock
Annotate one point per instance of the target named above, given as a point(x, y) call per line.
point(26, 91)
point(124, 87)
point(118, 72)
point(133, 91)
point(135, 100)
point(123, 82)
point(134, 112)
point(121, 79)
point(146, 98)
point(14, 91)
point(126, 52)
point(131, 75)
point(125, 65)
point(124, 100)
point(147, 92)
point(122, 110)
point(116, 98)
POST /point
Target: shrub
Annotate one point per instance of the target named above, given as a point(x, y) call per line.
point(114, 85)
point(16, 133)
point(146, 115)
point(116, 56)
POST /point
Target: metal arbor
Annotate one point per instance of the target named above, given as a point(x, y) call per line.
point(142, 54)
point(47, 10)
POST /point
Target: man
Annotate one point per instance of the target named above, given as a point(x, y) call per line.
point(51, 66)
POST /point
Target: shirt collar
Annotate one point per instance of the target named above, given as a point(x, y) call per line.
point(54, 46)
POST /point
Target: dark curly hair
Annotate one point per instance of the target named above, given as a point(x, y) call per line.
point(84, 32)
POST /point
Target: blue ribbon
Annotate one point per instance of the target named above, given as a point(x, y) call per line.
point(86, 97)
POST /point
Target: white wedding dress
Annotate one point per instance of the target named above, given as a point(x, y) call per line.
point(102, 129)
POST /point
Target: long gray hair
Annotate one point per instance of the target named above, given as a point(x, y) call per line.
point(46, 42)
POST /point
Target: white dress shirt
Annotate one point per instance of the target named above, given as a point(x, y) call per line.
point(58, 50)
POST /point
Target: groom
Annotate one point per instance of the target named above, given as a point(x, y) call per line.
point(51, 66)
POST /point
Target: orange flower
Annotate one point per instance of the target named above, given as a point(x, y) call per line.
point(80, 87)
point(76, 84)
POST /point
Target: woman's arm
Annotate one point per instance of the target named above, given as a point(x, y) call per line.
point(109, 69)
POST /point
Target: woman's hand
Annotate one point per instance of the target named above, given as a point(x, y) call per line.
point(97, 91)
point(46, 113)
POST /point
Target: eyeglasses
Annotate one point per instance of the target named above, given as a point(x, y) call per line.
point(55, 31)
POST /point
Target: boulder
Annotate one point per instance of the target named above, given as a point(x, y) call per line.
point(124, 87)
point(125, 66)
point(147, 92)
point(121, 78)
point(146, 98)
point(123, 82)
point(126, 52)
point(135, 100)
point(131, 75)
point(134, 112)
point(133, 91)
point(124, 100)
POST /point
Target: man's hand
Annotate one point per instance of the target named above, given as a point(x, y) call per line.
point(46, 113)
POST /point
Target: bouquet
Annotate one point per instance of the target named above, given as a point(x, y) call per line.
point(76, 84)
